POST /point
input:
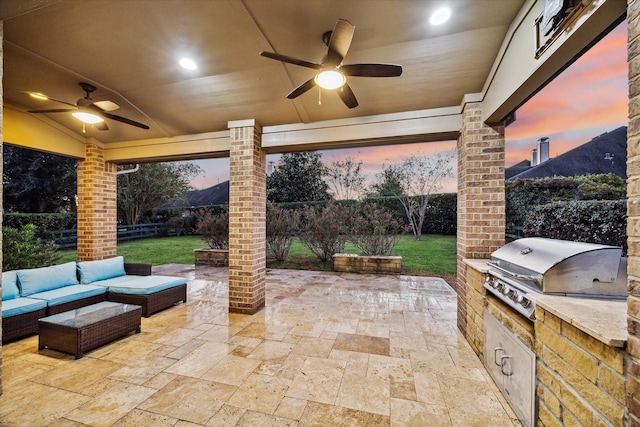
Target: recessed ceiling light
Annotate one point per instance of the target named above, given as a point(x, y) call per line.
point(440, 16)
point(188, 64)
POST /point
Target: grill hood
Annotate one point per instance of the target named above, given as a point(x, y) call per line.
point(560, 266)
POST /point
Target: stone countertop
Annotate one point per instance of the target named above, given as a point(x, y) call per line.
point(603, 319)
point(477, 264)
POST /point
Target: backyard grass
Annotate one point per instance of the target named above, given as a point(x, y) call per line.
point(434, 255)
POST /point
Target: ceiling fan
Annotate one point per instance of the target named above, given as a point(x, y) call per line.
point(332, 74)
point(88, 111)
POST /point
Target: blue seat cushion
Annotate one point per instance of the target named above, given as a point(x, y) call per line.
point(145, 285)
point(69, 293)
point(10, 288)
point(116, 280)
point(16, 306)
point(92, 271)
point(35, 280)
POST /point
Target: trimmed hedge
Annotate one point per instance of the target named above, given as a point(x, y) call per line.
point(591, 221)
point(440, 217)
point(522, 195)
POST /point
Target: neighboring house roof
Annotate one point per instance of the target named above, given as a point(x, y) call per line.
point(517, 168)
point(588, 158)
point(216, 195)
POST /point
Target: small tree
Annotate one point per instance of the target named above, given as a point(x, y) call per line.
point(282, 227)
point(373, 230)
point(414, 181)
point(214, 228)
point(299, 177)
point(346, 179)
point(324, 231)
point(22, 249)
point(152, 185)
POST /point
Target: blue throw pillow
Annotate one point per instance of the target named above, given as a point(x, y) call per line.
point(92, 271)
point(10, 288)
point(42, 279)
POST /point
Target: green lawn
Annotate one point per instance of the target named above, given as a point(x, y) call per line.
point(433, 255)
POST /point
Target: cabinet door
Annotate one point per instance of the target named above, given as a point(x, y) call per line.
point(519, 380)
point(512, 365)
point(493, 348)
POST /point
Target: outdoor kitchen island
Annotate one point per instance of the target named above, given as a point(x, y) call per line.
point(579, 345)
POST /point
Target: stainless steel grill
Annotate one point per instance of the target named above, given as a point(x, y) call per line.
point(557, 267)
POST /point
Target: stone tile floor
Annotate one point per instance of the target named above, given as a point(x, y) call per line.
point(329, 349)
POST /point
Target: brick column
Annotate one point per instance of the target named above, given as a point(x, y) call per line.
point(481, 209)
point(633, 214)
point(247, 218)
point(97, 209)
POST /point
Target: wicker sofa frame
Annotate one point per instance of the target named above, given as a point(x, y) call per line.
point(21, 325)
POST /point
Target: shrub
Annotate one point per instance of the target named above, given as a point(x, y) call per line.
point(373, 230)
point(180, 225)
point(522, 195)
point(282, 227)
point(22, 249)
point(592, 221)
point(214, 228)
point(323, 230)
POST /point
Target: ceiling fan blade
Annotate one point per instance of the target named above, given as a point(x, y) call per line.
point(106, 105)
point(101, 126)
point(371, 70)
point(339, 43)
point(347, 96)
point(124, 120)
point(43, 97)
point(54, 110)
point(291, 60)
point(309, 84)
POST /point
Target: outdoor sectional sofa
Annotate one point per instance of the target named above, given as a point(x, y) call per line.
point(30, 294)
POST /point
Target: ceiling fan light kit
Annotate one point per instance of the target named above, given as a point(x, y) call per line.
point(331, 68)
point(87, 117)
point(330, 79)
point(86, 110)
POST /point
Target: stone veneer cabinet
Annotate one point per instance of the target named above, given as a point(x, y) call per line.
point(580, 349)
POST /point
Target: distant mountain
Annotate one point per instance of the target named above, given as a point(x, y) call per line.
point(216, 195)
point(606, 153)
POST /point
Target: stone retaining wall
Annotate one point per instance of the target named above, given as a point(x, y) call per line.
point(367, 264)
point(212, 257)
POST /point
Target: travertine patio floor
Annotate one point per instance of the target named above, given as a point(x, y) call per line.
point(329, 349)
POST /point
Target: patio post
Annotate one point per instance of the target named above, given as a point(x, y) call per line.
point(481, 207)
point(247, 217)
point(97, 205)
point(633, 214)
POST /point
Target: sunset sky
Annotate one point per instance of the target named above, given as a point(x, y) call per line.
point(587, 99)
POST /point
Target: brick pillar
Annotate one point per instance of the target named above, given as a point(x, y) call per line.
point(481, 209)
point(633, 214)
point(247, 218)
point(97, 208)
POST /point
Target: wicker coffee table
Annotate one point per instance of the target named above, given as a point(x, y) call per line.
point(86, 328)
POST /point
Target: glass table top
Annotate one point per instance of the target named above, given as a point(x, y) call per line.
point(90, 314)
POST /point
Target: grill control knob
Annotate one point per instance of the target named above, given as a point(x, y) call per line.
point(525, 302)
point(519, 299)
point(506, 291)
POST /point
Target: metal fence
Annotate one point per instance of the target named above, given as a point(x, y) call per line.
point(68, 239)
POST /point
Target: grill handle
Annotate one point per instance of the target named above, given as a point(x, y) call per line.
point(514, 275)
